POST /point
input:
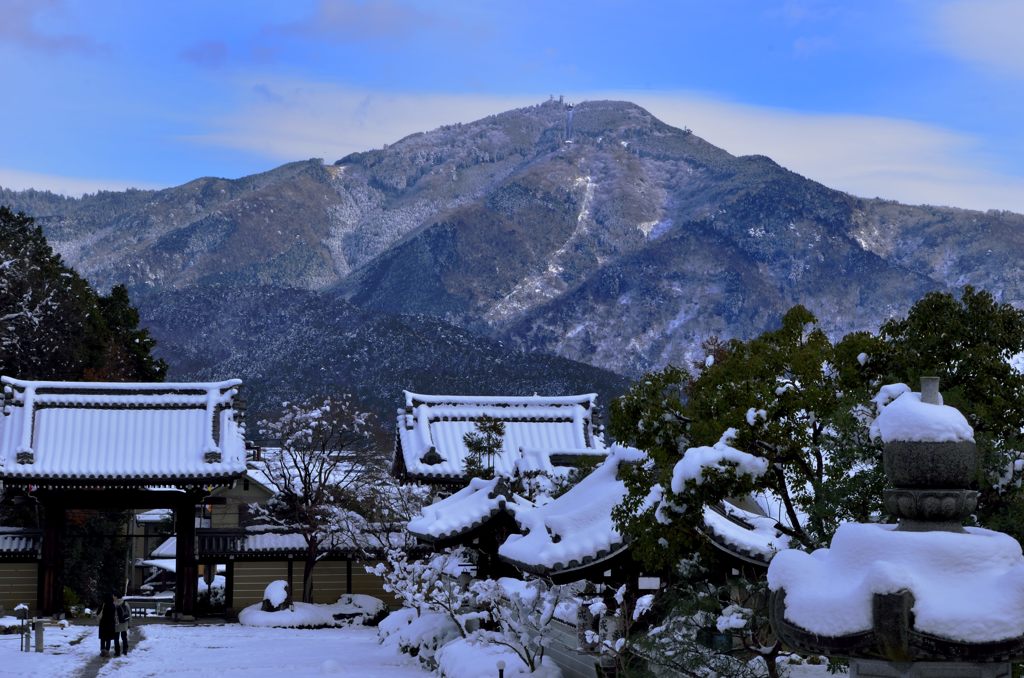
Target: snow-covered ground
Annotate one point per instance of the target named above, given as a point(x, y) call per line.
point(225, 651)
point(60, 658)
point(233, 651)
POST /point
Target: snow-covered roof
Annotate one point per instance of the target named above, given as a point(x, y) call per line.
point(576, 529)
point(747, 535)
point(167, 549)
point(133, 433)
point(247, 542)
point(166, 564)
point(156, 515)
point(18, 541)
point(467, 509)
point(273, 542)
point(431, 430)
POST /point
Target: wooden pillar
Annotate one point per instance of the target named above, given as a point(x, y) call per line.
point(229, 587)
point(185, 559)
point(51, 582)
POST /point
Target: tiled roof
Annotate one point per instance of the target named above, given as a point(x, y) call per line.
point(79, 431)
point(467, 509)
point(575, 529)
point(16, 541)
point(744, 534)
point(431, 430)
point(167, 549)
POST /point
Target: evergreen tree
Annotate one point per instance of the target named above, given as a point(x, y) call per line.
point(54, 326)
point(484, 444)
point(969, 343)
point(803, 405)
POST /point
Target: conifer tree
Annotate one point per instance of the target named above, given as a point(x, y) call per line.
point(484, 444)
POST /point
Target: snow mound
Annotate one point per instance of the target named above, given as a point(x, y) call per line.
point(967, 587)
point(906, 418)
point(350, 609)
point(477, 658)
point(276, 592)
point(718, 457)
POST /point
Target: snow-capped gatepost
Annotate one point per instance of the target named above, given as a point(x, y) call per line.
point(921, 599)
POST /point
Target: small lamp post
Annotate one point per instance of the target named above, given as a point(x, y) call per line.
point(501, 668)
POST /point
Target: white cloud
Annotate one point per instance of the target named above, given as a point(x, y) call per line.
point(19, 180)
point(868, 156)
point(289, 121)
point(987, 32)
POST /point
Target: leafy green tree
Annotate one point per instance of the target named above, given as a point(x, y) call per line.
point(49, 324)
point(802, 403)
point(969, 343)
point(95, 553)
point(791, 397)
point(129, 348)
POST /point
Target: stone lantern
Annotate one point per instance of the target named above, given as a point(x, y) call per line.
point(926, 597)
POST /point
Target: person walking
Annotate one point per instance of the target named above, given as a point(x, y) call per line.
point(123, 617)
point(108, 624)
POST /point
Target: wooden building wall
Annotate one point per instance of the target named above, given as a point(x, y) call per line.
point(251, 579)
point(18, 584)
point(330, 580)
point(235, 511)
point(370, 584)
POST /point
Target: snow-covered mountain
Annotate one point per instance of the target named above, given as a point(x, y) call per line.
point(595, 232)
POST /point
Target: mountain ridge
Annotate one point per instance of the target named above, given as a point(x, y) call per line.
point(594, 232)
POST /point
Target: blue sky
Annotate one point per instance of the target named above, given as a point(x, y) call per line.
point(919, 101)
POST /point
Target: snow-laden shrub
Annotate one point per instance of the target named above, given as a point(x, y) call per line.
point(522, 612)
point(418, 634)
point(477, 657)
point(434, 585)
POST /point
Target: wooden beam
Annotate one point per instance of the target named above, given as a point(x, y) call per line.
point(119, 499)
point(51, 585)
point(186, 572)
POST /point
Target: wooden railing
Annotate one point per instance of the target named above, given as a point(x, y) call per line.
point(214, 542)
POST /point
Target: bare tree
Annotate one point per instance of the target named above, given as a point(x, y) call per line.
point(325, 455)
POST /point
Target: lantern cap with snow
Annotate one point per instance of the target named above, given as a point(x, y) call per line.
point(926, 593)
point(930, 460)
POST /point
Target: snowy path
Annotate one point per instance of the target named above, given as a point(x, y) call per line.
point(233, 651)
point(67, 651)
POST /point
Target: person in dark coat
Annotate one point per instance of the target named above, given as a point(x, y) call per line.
point(123, 617)
point(108, 624)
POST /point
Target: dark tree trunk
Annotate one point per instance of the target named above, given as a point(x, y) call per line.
point(307, 573)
